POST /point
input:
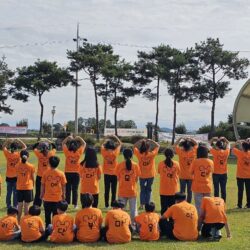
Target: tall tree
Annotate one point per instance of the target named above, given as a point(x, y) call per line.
point(217, 67)
point(40, 78)
point(91, 58)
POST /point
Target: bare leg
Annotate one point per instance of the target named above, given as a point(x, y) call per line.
point(26, 208)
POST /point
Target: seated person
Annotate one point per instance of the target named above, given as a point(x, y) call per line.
point(32, 226)
point(148, 223)
point(117, 224)
point(62, 228)
point(9, 228)
point(183, 220)
point(88, 220)
point(213, 218)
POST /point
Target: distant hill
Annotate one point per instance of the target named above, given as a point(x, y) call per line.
point(166, 130)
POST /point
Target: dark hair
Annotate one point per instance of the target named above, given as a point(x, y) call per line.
point(73, 145)
point(150, 207)
point(220, 144)
point(90, 159)
point(202, 151)
point(117, 204)
point(128, 154)
point(35, 210)
point(109, 145)
point(169, 153)
point(13, 146)
point(186, 144)
point(144, 147)
point(54, 161)
point(24, 154)
point(87, 200)
point(245, 146)
point(180, 196)
point(62, 205)
point(12, 210)
point(44, 148)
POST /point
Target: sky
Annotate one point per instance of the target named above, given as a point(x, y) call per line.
point(44, 29)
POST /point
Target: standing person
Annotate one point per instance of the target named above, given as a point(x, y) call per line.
point(52, 188)
point(73, 149)
point(169, 171)
point(43, 151)
point(127, 174)
point(202, 169)
point(220, 151)
point(186, 149)
point(243, 171)
point(146, 158)
point(90, 174)
point(12, 156)
point(25, 183)
point(110, 152)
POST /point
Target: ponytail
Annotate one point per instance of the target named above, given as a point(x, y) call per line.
point(128, 153)
point(169, 153)
point(24, 154)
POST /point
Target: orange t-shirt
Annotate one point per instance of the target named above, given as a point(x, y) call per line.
point(185, 220)
point(88, 222)
point(146, 162)
point(8, 225)
point(1, 180)
point(43, 161)
point(202, 170)
point(185, 159)
point(117, 221)
point(214, 208)
point(149, 229)
point(220, 157)
point(53, 180)
point(110, 160)
point(127, 180)
point(25, 173)
point(72, 161)
point(31, 227)
point(169, 178)
point(12, 160)
point(243, 163)
point(90, 179)
point(62, 229)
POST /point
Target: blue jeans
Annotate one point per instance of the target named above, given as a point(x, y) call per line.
point(220, 182)
point(11, 189)
point(183, 184)
point(146, 190)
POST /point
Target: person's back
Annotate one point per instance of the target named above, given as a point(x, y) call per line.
point(24, 176)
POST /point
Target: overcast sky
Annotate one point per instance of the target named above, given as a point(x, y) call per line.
point(44, 29)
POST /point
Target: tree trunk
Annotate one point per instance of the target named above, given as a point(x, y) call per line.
point(174, 121)
point(41, 116)
point(105, 106)
point(157, 109)
point(115, 118)
point(96, 111)
point(212, 131)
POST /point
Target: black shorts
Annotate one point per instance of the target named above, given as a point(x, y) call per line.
point(24, 196)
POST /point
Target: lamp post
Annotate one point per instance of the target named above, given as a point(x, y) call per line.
point(53, 111)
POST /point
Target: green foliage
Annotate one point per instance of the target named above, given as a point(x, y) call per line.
point(22, 123)
point(181, 129)
point(131, 139)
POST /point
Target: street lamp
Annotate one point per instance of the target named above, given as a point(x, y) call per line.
point(53, 111)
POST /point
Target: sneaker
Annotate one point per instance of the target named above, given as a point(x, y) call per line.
point(76, 207)
point(106, 208)
point(239, 207)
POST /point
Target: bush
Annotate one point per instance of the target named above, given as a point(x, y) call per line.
point(131, 139)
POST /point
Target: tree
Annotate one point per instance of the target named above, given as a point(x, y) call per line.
point(181, 129)
point(217, 67)
point(91, 58)
point(126, 124)
point(46, 128)
point(204, 129)
point(22, 123)
point(40, 78)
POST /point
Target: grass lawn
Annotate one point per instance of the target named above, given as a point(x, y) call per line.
point(239, 221)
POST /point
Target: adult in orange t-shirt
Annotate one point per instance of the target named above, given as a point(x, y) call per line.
point(186, 148)
point(52, 189)
point(127, 174)
point(110, 151)
point(146, 150)
point(183, 220)
point(43, 151)
point(202, 169)
point(12, 155)
point(169, 171)
point(90, 174)
point(243, 170)
point(73, 149)
point(220, 151)
point(9, 228)
point(117, 224)
point(88, 221)
point(25, 183)
point(62, 228)
point(213, 216)
point(147, 222)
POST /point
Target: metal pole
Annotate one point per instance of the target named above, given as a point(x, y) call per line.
point(53, 111)
point(76, 88)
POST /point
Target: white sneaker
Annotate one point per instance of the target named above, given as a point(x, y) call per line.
point(76, 207)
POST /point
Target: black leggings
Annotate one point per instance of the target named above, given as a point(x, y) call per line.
point(166, 228)
point(37, 200)
point(110, 181)
point(240, 184)
point(206, 228)
point(73, 180)
point(166, 202)
point(50, 208)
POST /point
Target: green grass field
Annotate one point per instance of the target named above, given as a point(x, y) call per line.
point(239, 221)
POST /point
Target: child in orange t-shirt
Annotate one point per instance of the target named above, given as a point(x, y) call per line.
point(110, 151)
point(88, 221)
point(90, 174)
point(169, 171)
point(9, 228)
point(147, 223)
point(62, 228)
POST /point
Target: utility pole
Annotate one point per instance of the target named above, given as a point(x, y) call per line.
point(53, 111)
point(76, 88)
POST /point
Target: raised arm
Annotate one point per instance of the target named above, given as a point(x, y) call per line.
point(7, 143)
point(21, 143)
point(67, 139)
point(226, 141)
point(214, 139)
point(155, 144)
point(178, 141)
point(114, 137)
point(193, 140)
point(82, 142)
point(136, 145)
